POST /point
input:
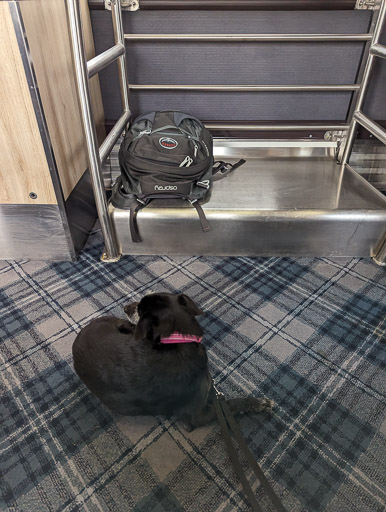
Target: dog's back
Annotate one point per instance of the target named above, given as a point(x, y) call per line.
point(133, 373)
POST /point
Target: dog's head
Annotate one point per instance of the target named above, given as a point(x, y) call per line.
point(160, 314)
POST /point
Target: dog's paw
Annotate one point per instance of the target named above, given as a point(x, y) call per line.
point(267, 404)
point(187, 426)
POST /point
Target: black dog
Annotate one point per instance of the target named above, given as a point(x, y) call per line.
point(143, 370)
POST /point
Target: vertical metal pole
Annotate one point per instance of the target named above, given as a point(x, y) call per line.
point(119, 36)
point(112, 252)
point(380, 254)
point(365, 82)
point(362, 66)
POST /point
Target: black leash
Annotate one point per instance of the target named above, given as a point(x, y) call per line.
point(229, 426)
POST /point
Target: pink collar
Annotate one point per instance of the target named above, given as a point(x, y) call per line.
point(177, 337)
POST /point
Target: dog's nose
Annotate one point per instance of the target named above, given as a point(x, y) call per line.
point(130, 309)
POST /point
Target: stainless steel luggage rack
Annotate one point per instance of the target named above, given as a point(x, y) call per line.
point(349, 219)
point(232, 5)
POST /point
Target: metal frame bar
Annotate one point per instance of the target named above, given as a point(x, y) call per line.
point(104, 59)
point(119, 38)
point(275, 127)
point(371, 126)
point(112, 137)
point(246, 88)
point(379, 50)
point(360, 72)
point(251, 5)
point(380, 252)
point(364, 84)
point(248, 38)
point(252, 38)
point(96, 155)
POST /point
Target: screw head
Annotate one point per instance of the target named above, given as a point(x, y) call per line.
point(33, 195)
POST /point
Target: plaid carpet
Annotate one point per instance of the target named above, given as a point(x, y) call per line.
point(308, 333)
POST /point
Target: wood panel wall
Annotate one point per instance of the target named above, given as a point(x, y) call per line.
point(23, 165)
point(48, 36)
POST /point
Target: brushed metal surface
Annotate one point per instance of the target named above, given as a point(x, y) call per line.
point(270, 206)
point(33, 231)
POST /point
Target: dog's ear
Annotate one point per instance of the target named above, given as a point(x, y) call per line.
point(151, 328)
point(187, 303)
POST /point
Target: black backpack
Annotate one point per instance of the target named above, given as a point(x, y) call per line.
point(166, 155)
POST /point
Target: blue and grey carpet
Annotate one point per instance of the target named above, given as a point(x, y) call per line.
point(308, 333)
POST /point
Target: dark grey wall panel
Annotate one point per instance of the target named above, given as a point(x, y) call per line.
point(238, 63)
point(247, 106)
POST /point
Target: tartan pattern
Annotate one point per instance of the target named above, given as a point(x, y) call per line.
point(307, 333)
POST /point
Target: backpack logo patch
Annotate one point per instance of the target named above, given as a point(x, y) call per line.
point(168, 142)
point(165, 187)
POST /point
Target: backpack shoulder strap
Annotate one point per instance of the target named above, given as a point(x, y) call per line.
point(134, 209)
point(204, 221)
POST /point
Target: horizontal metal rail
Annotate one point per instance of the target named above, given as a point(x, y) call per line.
point(113, 136)
point(251, 5)
point(104, 59)
point(262, 38)
point(245, 88)
point(379, 50)
point(275, 127)
point(371, 126)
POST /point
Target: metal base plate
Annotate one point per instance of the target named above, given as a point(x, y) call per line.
point(283, 202)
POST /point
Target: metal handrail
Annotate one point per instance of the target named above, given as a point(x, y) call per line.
point(104, 59)
point(276, 127)
point(96, 155)
point(252, 38)
point(112, 137)
point(246, 88)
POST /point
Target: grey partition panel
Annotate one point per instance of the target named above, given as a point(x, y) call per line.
point(240, 63)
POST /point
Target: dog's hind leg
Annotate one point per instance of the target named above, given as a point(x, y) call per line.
point(250, 404)
point(237, 406)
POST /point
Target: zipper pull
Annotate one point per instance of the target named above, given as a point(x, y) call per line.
point(144, 132)
point(186, 162)
point(195, 148)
